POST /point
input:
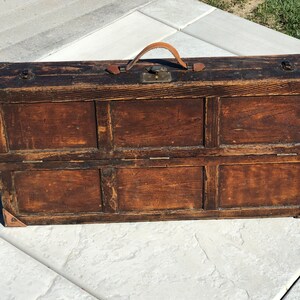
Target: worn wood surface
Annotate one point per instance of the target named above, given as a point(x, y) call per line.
point(66, 191)
point(274, 120)
point(155, 123)
point(160, 188)
point(79, 145)
point(259, 185)
point(50, 125)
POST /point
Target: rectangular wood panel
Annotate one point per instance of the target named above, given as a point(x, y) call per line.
point(50, 125)
point(66, 191)
point(160, 188)
point(157, 123)
point(247, 120)
point(259, 185)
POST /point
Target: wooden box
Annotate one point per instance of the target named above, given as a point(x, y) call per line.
point(104, 141)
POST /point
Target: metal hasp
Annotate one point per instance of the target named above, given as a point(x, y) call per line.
point(156, 74)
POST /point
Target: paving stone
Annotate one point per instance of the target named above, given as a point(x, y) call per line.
point(241, 36)
point(214, 259)
point(177, 13)
point(25, 278)
point(58, 26)
point(188, 46)
point(119, 40)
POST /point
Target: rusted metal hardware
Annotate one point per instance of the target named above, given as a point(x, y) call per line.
point(10, 220)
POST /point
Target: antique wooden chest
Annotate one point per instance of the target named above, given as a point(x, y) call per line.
point(103, 141)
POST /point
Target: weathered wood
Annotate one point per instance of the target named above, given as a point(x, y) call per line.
point(66, 191)
point(259, 185)
point(260, 120)
point(50, 125)
point(3, 139)
point(80, 145)
point(109, 190)
point(105, 133)
point(161, 215)
point(144, 189)
point(156, 124)
point(211, 186)
point(212, 122)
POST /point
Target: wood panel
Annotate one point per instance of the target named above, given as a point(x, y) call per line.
point(250, 120)
point(66, 191)
point(160, 188)
point(50, 125)
point(259, 185)
point(158, 123)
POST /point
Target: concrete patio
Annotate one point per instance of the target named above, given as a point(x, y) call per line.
point(224, 259)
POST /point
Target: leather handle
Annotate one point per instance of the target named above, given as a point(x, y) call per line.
point(155, 46)
point(114, 69)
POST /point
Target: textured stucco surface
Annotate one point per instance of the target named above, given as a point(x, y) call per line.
point(216, 259)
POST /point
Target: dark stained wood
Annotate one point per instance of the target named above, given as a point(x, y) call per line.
point(3, 141)
point(8, 192)
point(211, 187)
point(109, 190)
point(50, 125)
point(80, 145)
point(67, 191)
point(140, 153)
point(260, 120)
point(160, 188)
point(105, 134)
point(90, 92)
point(212, 120)
point(156, 123)
point(259, 185)
point(161, 215)
point(153, 162)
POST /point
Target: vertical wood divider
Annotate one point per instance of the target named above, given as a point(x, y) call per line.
point(3, 134)
point(109, 190)
point(8, 195)
point(211, 140)
point(105, 134)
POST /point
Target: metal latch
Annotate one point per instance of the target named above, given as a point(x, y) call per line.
point(156, 74)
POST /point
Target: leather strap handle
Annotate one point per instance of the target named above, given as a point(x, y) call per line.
point(155, 46)
point(114, 69)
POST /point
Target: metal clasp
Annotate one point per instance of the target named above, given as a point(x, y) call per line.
point(156, 74)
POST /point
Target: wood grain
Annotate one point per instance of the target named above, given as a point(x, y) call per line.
point(156, 123)
point(212, 122)
point(50, 125)
point(66, 191)
point(260, 120)
point(160, 188)
point(259, 185)
point(109, 190)
point(3, 140)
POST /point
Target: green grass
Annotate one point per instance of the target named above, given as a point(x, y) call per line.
point(281, 15)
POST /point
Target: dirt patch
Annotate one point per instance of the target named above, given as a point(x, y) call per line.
point(241, 8)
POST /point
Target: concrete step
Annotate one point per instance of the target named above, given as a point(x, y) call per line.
point(56, 27)
point(241, 36)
